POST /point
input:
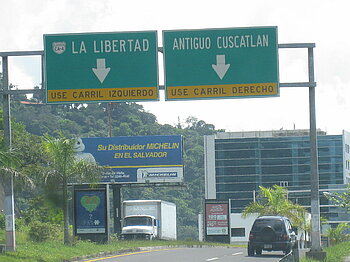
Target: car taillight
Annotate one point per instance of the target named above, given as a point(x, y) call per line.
point(251, 236)
point(285, 237)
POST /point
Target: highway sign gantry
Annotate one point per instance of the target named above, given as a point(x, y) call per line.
point(221, 63)
point(94, 67)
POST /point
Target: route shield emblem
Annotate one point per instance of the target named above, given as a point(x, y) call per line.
point(59, 47)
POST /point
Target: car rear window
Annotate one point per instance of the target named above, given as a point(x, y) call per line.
point(277, 225)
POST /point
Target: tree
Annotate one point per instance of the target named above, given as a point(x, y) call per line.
point(342, 200)
point(273, 201)
point(9, 165)
point(64, 167)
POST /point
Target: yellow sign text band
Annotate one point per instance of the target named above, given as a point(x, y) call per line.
point(102, 94)
point(215, 91)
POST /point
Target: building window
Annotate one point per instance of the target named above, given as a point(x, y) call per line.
point(238, 232)
point(284, 183)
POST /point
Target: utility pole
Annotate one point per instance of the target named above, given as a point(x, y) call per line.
point(8, 181)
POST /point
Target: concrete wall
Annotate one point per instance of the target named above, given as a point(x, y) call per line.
point(237, 222)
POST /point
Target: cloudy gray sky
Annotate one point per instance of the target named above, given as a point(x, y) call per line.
point(325, 23)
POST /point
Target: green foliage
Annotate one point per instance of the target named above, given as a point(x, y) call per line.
point(342, 200)
point(43, 210)
point(337, 234)
point(188, 232)
point(273, 201)
point(95, 120)
point(43, 231)
point(335, 253)
point(65, 167)
point(2, 221)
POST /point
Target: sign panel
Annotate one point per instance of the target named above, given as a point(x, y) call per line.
point(90, 211)
point(137, 159)
point(221, 63)
point(101, 67)
point(217, 218)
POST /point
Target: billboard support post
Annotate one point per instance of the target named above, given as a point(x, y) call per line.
point(117, 208)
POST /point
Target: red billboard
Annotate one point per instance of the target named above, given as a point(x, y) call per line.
point(217, 215)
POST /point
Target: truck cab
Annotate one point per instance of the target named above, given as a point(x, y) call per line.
point(139, 227)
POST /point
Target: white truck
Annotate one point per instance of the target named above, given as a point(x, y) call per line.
point(148, 219)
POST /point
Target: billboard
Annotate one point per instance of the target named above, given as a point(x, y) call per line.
point(135, 159)
point(90, 211)
point(217, 216)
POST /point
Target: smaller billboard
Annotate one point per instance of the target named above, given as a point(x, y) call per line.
point(217, 216)
point(90, 211)
point(135, 159)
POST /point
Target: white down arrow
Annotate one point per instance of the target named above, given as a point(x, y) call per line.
point(220, 67)
point(101, 71)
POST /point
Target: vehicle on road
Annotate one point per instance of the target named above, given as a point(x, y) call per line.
point(148, 219)
point(271, 233)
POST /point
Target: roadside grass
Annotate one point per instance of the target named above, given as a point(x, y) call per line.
point(56, 251)
point(336, 253)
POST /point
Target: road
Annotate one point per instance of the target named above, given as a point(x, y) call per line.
point(204, 254)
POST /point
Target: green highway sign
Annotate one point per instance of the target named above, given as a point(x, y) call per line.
point(221, 63)
point(92, 67)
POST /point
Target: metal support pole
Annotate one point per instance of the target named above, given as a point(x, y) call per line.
point(315, 201)
point(8, 182)
point(316, 250)
point(117, 205)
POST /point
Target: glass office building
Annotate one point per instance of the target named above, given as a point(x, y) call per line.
point(237, 163)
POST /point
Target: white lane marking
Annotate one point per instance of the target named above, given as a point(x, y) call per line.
point(236, 254)
point(211, 259)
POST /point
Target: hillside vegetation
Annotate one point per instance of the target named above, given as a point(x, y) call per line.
point(30, 121)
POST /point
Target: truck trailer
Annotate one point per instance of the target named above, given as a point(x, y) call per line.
point(148, 219)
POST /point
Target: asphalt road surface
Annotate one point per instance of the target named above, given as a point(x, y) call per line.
point(204, 254)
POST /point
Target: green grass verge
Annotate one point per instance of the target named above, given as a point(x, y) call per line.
point(56, 251)
point(335, 253)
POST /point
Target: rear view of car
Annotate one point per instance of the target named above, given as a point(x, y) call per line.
point(271, 233)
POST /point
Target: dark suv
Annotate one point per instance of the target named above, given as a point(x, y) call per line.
point(271, 233)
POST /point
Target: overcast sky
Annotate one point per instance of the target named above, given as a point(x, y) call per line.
point(325, 23)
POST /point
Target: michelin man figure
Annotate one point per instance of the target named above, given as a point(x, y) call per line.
point(79, 148)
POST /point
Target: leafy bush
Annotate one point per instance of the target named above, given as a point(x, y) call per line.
point(337, 235)
point(42, 231)
point(21, 224)
point(42, 209)
point(2, 221)
point(187, 233)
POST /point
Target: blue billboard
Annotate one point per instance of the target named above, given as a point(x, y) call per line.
point(135, 159)
point(90, 211)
